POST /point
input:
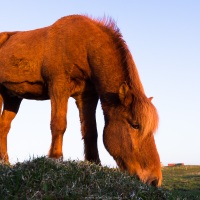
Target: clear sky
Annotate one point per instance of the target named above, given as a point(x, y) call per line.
point(164, 39)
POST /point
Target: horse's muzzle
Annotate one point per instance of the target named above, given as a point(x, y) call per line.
point(155, 181)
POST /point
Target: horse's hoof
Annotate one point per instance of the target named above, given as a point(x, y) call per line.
point(4, 162)
point(57, 160)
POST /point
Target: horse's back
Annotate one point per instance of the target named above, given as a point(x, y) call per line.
point(72, 47)
point(68, 41)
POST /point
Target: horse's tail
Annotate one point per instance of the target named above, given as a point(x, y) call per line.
point(4, 36)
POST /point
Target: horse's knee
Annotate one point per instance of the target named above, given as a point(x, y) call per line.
point(58, 126)
point(4, 128)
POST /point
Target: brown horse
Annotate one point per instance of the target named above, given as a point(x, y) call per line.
point(87, 60)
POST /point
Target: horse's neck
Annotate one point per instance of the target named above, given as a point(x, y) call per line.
point(109, 74)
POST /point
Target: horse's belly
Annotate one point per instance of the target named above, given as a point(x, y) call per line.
point(27, 90)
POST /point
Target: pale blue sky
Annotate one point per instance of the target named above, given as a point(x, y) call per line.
point(164, 39)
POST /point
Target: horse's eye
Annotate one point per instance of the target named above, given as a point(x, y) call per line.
point(135, 126)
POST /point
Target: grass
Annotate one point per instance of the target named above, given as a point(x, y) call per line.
point(43, 178)
point(182, 181)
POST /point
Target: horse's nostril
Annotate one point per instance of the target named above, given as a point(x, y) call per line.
point(154, 182)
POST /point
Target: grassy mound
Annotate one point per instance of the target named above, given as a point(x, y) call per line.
point(43, 178)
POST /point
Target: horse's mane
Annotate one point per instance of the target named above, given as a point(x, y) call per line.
point(143, 109)
point(129, 67)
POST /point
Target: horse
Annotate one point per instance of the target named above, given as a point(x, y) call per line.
point(86, 59)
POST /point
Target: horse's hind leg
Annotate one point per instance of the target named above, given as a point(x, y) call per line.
point(87, 104)
point(10, 109)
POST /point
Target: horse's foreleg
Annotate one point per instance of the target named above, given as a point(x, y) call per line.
point(10, 109)
point(59, 98)
point(87, 104)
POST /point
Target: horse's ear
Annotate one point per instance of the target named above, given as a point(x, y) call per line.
point(150, 98)
point(124, 94)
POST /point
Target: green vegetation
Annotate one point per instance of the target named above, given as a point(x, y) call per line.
point(43, 178)
point(182, 181)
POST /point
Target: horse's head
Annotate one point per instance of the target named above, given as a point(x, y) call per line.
point(129, 136)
